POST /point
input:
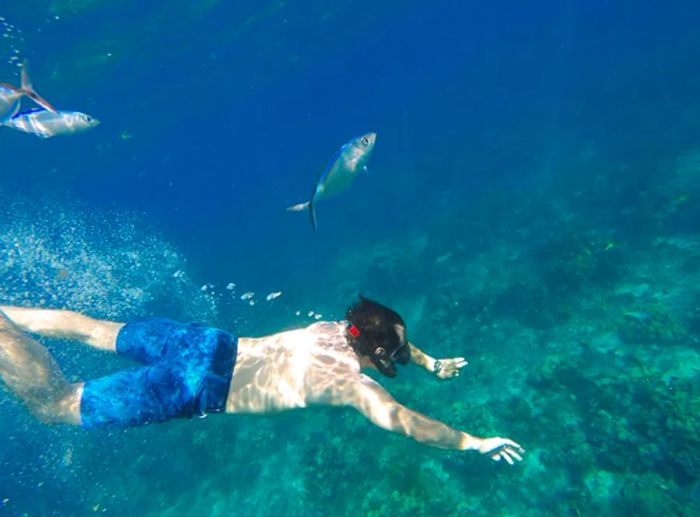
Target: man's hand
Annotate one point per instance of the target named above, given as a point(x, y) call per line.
point(450, 367)
point(500, 448)
point(443, 368)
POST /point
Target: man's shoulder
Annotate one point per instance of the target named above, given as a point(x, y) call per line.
point(310, 332)
point(318, 335)
point(326, 327)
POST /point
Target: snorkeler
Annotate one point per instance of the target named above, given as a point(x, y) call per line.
point(189, 369)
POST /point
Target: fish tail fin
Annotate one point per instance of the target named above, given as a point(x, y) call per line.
point(312, 214)
point(299, 207)
point(29, 91)
point(303, 206)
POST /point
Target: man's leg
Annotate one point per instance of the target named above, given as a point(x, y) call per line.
point(64, 324)
point(33, 375)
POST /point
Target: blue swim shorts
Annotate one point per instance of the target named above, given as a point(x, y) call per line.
point(188, 370)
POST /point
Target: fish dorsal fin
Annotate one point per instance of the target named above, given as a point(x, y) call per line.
point(26, 82)
point(29, 91)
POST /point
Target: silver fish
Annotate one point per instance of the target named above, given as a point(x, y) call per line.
point(350, 159)
point(10, 97)
point(46, 124)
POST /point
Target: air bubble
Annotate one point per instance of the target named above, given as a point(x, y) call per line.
point(273, 295)
point(12, 35)
point(46, 265)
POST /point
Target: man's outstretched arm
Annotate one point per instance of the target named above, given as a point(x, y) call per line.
point(443, 368)
point(380, 408)
point(65, 324)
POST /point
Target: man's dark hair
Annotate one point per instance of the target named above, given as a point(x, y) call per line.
point(378, 337)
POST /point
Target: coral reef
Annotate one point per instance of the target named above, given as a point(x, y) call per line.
point(582, 343)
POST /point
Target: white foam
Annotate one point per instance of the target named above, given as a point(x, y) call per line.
point(109, 265)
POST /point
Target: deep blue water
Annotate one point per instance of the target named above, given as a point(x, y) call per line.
point(235, 110)
point(498, 125)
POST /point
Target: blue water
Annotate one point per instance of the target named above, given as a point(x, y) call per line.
point(531, 204)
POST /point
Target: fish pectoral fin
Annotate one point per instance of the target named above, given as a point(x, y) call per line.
point(299, 207)
point(40, 101)
point(29, 91)
point(366, 170)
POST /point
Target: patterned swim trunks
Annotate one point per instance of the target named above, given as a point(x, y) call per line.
point(187, 371)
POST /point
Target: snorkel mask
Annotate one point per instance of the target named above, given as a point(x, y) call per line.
point(384, 353)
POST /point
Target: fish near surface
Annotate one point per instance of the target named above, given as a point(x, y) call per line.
point(345, 166)
point(46, 124)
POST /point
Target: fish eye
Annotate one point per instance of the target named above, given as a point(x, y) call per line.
point(365, 141)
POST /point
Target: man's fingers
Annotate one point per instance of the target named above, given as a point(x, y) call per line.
point(452, 367)
point(516, 446)
point(507, 454)
point(505, 449)
point(516, 455)
point(507, 442)
point(507, 457)
point(502, 455)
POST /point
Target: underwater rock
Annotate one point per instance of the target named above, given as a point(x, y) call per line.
point(520, 409)
point(568, 262)
point(646, 495)
point(530, 305)
point(694, 322)
point(614, 441)
point(682, 429)
point(649, 326)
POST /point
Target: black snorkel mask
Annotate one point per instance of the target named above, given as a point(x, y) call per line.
point(386, 363)
point(384, 360)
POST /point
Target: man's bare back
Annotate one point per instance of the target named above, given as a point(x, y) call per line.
point(317, 365)
point(308, 366)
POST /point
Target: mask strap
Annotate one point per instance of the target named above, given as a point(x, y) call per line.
point(354, 331)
